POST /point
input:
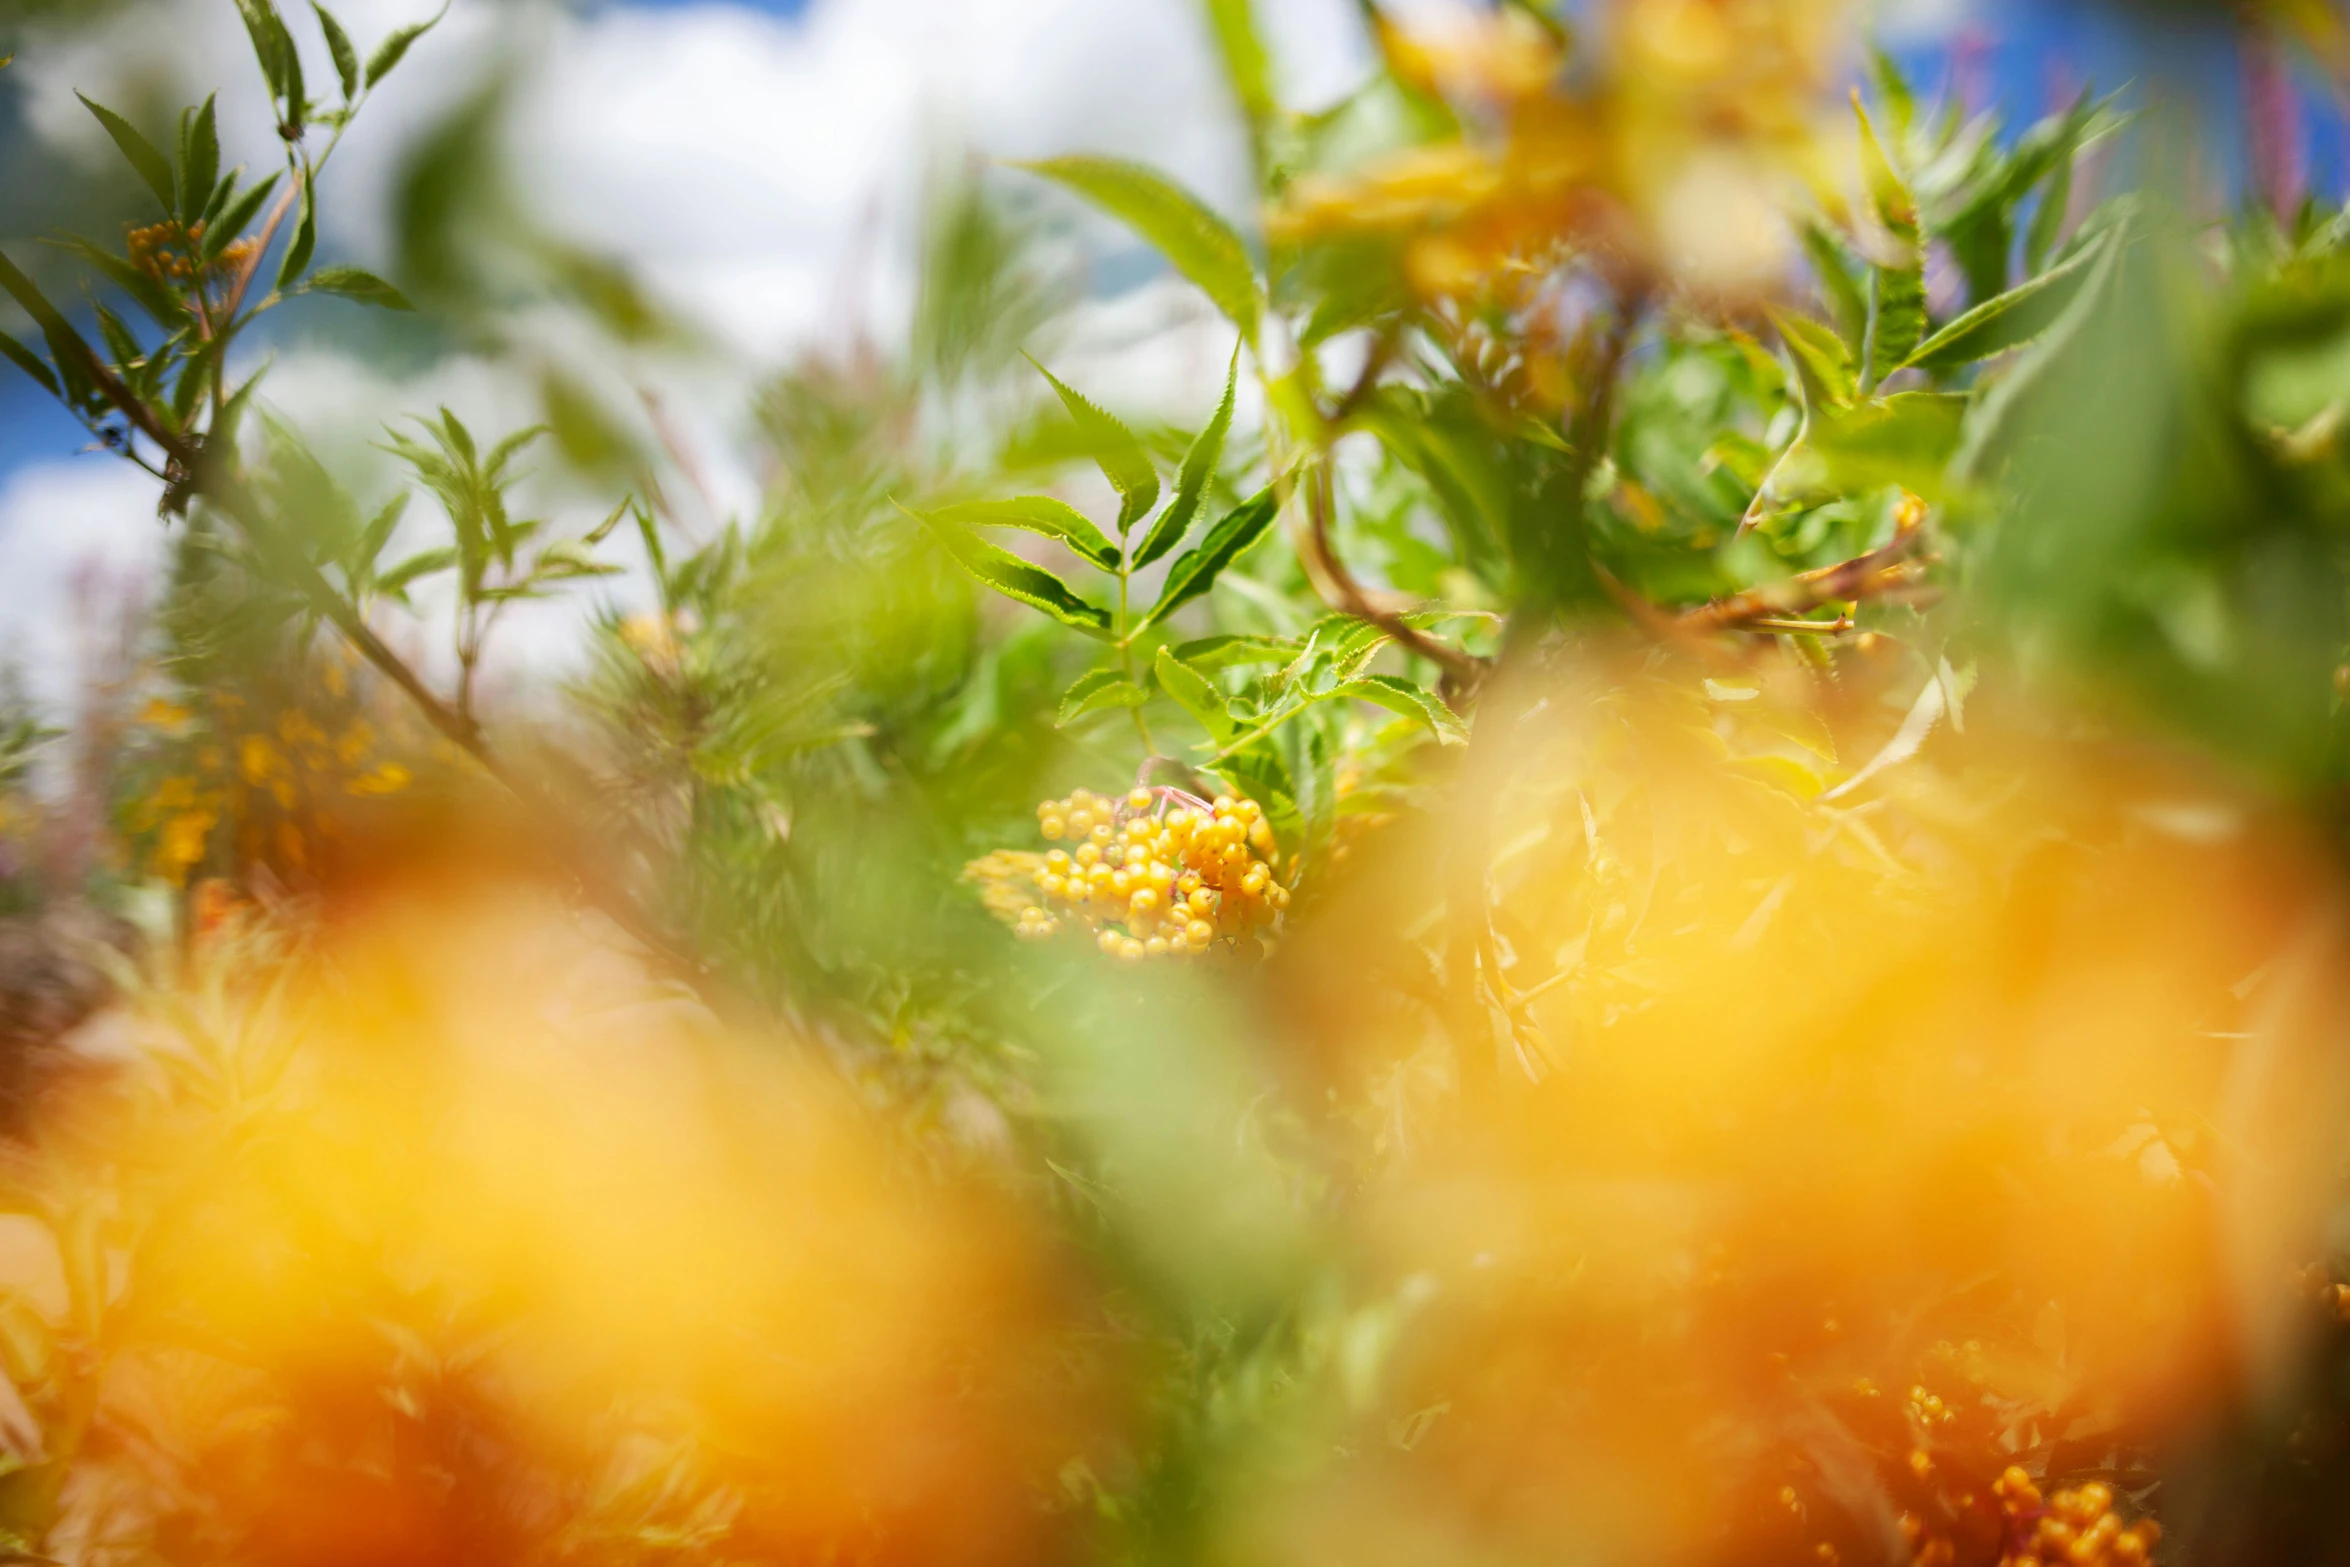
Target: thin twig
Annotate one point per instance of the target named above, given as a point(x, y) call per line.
point(1863, 576)
point(1463, 671)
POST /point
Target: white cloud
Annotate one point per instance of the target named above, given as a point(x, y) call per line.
point(78, 541)
point(762, 175)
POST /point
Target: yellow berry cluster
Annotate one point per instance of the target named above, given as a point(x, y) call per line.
point(162, 252)
point(1153, 873)
point(2077, 1526)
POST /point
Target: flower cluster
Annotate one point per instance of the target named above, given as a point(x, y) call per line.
point(168, 254)
point(1153, 873)
point(2077, 1525)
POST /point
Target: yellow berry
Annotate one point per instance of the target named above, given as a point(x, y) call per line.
point(1199, 933)
point(1156, 946)
point(1130, 950)
point(1139, 798)
point(1088, 853)
point(1144, 901)
point(1053, 887)
point(1103, 833)
point(1247, 810)
point(1187, 883)
point(1180, 821)
point(1137, 855)
point(1054, 828)
point(1121, 882)
point(1255, 881)
point(1201, 900)
point(1233, 854)
point(1058, 862)
point(1109, 941)
point(1223, 804)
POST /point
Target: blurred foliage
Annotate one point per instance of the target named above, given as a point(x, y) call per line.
point(1728, 723)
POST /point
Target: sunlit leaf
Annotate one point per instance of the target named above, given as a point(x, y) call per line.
point(1197, 695)
point(1399, 695)
point(1195, 571)
point(2013, 318)
point(1122, 458)
point(1099, 692)
point(1191, 486)
point(1897, 291)
point(1201, 245)
point(1017, 579)
point(1820, 356)
point(1038, 514)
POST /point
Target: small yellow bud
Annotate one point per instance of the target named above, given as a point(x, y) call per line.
point(1139, 799)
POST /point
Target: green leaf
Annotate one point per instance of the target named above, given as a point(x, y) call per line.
point(1893, 90)
point(395, 582)
point(338, 44)
point(159, 302)
point(1229, 651)
point(199, 162)
point(268, 32)
point(1196, 570)
point(1122, 458)
point(225, 188)
point(1016, 579)
point(290, 84)
point(1820, 357)
point(2015, 317)
point(352, 283)
point(377, 534)
point(152, 165)
point(1399, 695)
point(1896, 293)
point(225, 230)
point(1191, 485)
point(2047, 229)
point(305, 237)
point(1039, 514)
point(1906, 439)
point(395, 48)
point(1197, 695)
point(1098, 692)
point(1247, 67)
point(1201, 245)
point(1847, 301)
point(29, 362)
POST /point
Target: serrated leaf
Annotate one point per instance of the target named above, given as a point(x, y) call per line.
point(1847, 301)
point(1398, 695)
point(199, 162)
point(2015, 317)
point(1096, 693)
point(1893, 90)
point(1122, 459)
point(158, 301)
point(2048, 221)
point(1200, 245)
point(1197, 695)
point(305, 237)
point(1229, 651)
point(1897, 318)
point(395, 48)
point(425, 563)
point(1196, 570)
point(143, 155)
point(267, 32)
point(1191, 485)
point(338, 44)
point(377, 534)
point(1906, 439)
point(1820, 357)
point(355, 284)
point(1017, 579)
point(238, 216)
point(1038, 514)
point(30, 363)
